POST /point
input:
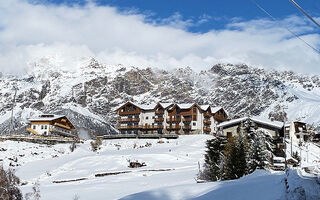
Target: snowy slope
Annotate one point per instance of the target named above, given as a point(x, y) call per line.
point(172, 166)
point(179, 156)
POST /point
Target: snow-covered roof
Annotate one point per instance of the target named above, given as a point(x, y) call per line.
point(46, 117)
point(185, 105)
point(215, 109)
point(231, 122)
point(204, 107)
point(275, 124)
point(146, 107)
point(165, 105)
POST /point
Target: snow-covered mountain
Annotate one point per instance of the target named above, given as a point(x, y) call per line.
point(90, 92)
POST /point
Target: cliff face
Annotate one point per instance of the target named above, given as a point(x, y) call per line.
point(90, 95)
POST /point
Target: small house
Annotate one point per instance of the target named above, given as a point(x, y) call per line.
point(49, 124)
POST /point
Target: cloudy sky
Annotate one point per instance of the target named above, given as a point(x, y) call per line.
point(158, 33)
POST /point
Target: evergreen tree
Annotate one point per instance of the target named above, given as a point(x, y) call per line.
point(236, 158)
point(213, 160)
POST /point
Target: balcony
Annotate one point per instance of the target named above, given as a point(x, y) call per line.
point(61, 131)
point(159, 119)
point(152, 127)
point(206, 129)
point(134, 112)
point(129, 127)
point(122, 120)
point(159, 112)
point(207, 115)
point(208, 122)
point(176, 127)
point(186, 127)
point(173, 120)
point(62, 126)
point(189, 119)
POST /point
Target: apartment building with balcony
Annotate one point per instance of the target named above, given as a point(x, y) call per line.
point(167, 118)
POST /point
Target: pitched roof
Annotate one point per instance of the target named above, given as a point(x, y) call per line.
point(46, 117)
point(275, 124)
point(165, 105)
point(185, 105)
point(215, 109)
point(204, 107)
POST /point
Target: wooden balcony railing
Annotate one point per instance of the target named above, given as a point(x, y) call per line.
point(159, 112)
point(189, 119)
point(176, 127)
point(150, 127)
point(161, 119)
point(121, 120)
point(206, 129)
point(129, 127)
point(171, 120)
point(186, 127)
point(208, 122)
point(134, 112)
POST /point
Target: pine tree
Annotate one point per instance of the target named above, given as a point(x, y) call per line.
point(213, 160)
point(259, 155)
point(236, 158)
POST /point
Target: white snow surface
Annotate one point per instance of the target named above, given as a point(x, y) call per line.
point(178, 158)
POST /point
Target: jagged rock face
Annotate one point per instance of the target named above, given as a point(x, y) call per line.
point(89, 96)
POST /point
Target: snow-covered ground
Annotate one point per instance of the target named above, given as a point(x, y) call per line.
point(172, 166)
point(180, 157)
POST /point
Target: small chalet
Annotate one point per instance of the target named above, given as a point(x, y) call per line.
point(232, 127)
point(49, 124)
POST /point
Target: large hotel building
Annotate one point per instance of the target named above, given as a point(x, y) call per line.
point(166, 118)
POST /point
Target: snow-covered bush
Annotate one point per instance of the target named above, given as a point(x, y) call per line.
point(95, 145)
point(9, 185)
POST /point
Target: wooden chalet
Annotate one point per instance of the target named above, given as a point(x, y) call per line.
point(49, 124)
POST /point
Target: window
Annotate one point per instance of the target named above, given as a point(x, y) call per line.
point(34, 126)
point(229, 134)
point(194, 124)
point(45, 133)
point(136, 132)
point(45, 127)
point(152, 117)
point(147, 117)
point(194, 109)
point(194, 118)
point(42, 127)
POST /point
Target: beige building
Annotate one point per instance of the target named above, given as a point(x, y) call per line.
point(297, 131)
point(166, 118)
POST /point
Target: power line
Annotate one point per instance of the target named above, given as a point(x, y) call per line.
point(294, 34)
point(304, 12)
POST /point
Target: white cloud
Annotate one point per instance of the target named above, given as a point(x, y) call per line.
point(29, 32)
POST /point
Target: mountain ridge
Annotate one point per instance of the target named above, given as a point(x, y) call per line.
point(90, 93)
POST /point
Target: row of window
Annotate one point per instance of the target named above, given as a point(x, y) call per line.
point(42, 127)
